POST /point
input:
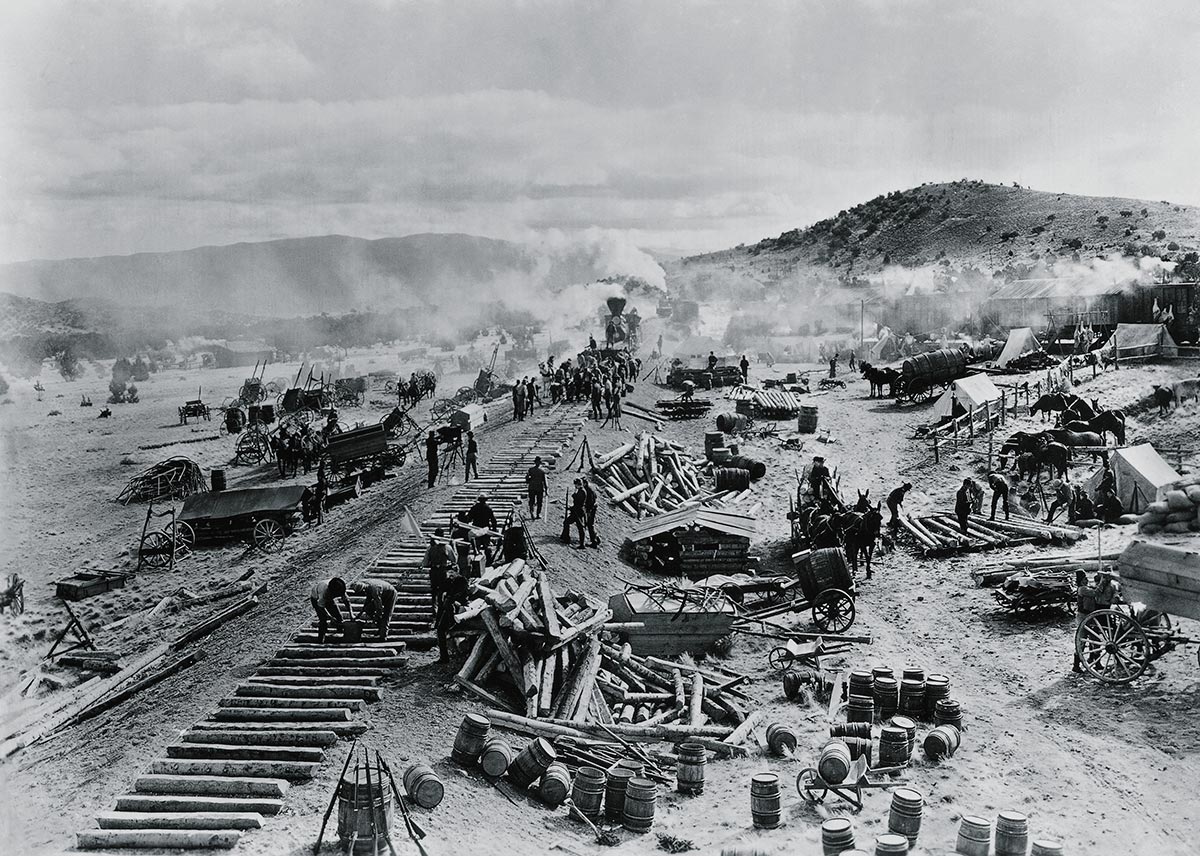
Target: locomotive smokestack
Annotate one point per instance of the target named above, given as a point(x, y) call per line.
point(616, 305)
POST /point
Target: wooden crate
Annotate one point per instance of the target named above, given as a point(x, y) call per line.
point(1162, 577)
point(84, 585)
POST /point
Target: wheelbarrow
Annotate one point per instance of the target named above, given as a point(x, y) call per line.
point(813, 789)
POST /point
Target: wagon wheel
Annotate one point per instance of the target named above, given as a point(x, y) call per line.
point(397, 456)
point(1157, 626)
point(156, 549)
point(185, 539)
point(251, 448)
point(833, 611)
point(922, 393)
point(269, 535)
point(1112, 646)
point(780, 659)
point(442, 408)
point(273, 388)
point(809, 788)
point(391, 388)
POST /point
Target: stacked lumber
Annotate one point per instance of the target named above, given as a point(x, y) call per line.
point(649, 475)
point(768, 403)
point(993, 573)
point(940, 535)
point(532, 653)
point(683, 408)
point(1178, 511)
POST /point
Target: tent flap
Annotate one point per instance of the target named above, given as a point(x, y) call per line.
point(1021, 341)
point(968, 392)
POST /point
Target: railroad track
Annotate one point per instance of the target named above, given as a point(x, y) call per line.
point(229, 772)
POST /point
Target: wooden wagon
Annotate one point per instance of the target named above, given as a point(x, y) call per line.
point(1157, 581)
point(924, 375)
point(673, 620)
point(365, 448)
point(195, 409)
point(265, 516)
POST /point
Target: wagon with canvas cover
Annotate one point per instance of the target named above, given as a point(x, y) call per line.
point(265, 516)
point(923, 375)
point(1157, 582)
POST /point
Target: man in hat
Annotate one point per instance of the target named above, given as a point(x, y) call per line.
point(441, 558)
point(325, 597)
point(431, 457)
point(535, 482)
point(456, 593)
point(472, 457)
point(999, 485)
point(589, 505)
point(962, 504)
point(712, 361)
point(744, 365)
point(579, 510)
point(895, 500)
point(818, 480)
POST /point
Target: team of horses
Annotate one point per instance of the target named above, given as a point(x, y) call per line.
point(855, 530)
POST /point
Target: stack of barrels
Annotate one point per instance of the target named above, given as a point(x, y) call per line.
point(496, 757)
point(912, 693)
point(860, 706)
point(886, 691)
point(856, 736)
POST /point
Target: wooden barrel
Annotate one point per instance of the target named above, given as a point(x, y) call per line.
point(792, 682)
point(495, 757)
point(713, 439)
point(731, 478)
point(766, 809)
point(941, 742)
point(910, 726)
point(948, 712)
point(361, 809)
point(732, 423)
point(633, 765)
point(825, 569)
point(882, 672)
point(937, 687)
point(860, 747)
point(781, 738)
point(555, 784)
point(423, 786)
point(530, 763)
point(468, 743)
point(1012, 834)
point(733, 450)
point(837, 836)
point(861, 681)
point(834, 762)
point(913, 674)
point(218, 480)
point(974, 836)
point(806, 422)
point(891, 844)
point(912, 698)
point(720, 455)
point(755, 467)
point(861, 708)
point(1046, 847)
point(904, 818)
point(588, 791)
point(266, 413)
point(640, 796)
point(614, 792)
point(850, 729)
point(893, 746)
point(886, 691)
point(689, 769)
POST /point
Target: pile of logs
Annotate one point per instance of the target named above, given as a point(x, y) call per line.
point(940, 535)
point(768, 403)
point(993, 573)
point(649, 475)
point(683, 408)
point(533, 653)
point(1030, 591)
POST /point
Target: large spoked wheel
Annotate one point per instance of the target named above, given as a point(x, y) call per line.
point(269, 535)
point(185, 539)
point(922, 393)
point(833, 611)
point(1112, 646)
point(780, 659)
point(809, 787)
point(1158, 630)
point(252, 448)
point(157, 549)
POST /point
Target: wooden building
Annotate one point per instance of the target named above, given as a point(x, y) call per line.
point(695, 542)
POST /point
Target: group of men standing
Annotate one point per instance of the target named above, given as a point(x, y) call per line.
point(524, 396)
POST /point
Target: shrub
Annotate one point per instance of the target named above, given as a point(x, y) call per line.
point(1173, 246)
point(1130, 249)
point(1125, 212)
point(1007, 236)
point(1158, 234)
point(67, 363)
point(1073, 243)
point(1037, 230)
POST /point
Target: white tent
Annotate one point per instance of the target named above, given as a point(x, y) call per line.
point(1139, 472)
point(1021, 341)
point(967, 393)
point(1142, 340)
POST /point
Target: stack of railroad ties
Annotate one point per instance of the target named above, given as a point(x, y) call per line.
point(1032, 583)
point(550, 667)
point(939, 534)
point(651, 475)
point(766, 403)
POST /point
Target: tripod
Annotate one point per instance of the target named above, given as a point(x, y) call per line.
point(452, 457)
point(582, 456)
point(614, 417)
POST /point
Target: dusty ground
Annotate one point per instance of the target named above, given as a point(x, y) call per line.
point(1099, 767)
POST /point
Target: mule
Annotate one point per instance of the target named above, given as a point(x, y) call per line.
point(860, 531)
point(1021, 441)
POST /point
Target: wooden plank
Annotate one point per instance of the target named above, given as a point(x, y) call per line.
point(548, 605)
point(511, 661)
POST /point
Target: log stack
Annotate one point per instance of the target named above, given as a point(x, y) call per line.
point(939, 534)
point(676, 409)
point(774, 403)
point(649, 475)
point(994, 573)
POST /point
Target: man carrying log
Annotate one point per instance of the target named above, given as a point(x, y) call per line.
point(999, 485)
point(962, 505)
point(895, 500)
point(380, 603)
point(325, 597)
point(1063, 496)
point(535, 482)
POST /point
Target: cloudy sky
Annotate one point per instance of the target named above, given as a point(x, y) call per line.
point(142, 126)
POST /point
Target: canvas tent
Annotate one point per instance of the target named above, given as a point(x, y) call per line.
point(1142, 340)
point(1021, 341)
point(967, 393)
point(1140, 472)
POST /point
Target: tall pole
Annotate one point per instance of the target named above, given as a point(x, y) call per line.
point(862, 314)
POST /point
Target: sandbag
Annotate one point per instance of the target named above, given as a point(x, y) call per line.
point(1149, 528)
point(1193, 493)
point(1177, 500)
point(1181, 516)
point(1088, 523)
point(1159, 507)
point(1180, 528)
point(1126, 519)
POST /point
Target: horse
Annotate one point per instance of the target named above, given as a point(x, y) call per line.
point(1071, 439)
point(1107, 422)
point(1021, 441)
point(879, 378)
point(1164, 396)
point(1054, 456)
point(860, 531)
point(824, 528)
point(1057, 402)
point(864, 503)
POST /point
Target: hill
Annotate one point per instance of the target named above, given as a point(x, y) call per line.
point(966, 224)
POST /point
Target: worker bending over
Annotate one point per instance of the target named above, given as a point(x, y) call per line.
point(325, 598)
point(380, 603)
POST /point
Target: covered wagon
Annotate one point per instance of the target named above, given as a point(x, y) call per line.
point(923, 375)
point(263, 515)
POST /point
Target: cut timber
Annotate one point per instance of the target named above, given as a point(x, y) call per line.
point(235, 752)
point(290, 770)
point(383, 664)
point(158, 839)
point(265, 737)
point(172, 803)
point(179, 820)
point(341, 729)
point(309, 681)
point(336, 691)
point(277, 670)
point(339, 652)
point(292, 703)
point(269, 714)
point(231, 786)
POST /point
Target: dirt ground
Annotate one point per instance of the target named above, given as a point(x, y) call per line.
point(1105, 769)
